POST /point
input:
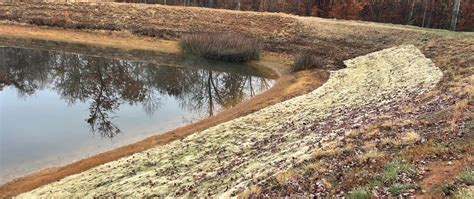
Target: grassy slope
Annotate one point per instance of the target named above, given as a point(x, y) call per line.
point(435, 127)
point(441, 120)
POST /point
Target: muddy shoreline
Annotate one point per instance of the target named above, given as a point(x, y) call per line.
point(287, 86)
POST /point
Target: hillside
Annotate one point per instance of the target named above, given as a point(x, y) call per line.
point(423, 13)
point(335, 40)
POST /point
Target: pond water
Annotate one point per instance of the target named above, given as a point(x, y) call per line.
point(59, 107)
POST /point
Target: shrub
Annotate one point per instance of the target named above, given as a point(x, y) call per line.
point(358, 193)
point(222, 47)
point(307, 60)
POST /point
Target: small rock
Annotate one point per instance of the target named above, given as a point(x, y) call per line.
point(450, 163)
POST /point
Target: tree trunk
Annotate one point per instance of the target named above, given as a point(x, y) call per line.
point(454, 19)
point(238, 5)
point(424, 14)
point(410, 16)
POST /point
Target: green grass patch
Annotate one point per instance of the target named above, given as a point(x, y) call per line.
point(221, 47)
point(358, 193)
point(467, 177)
point(398, 188)
point(393, 169)
point(464, 193)
point(448, 189)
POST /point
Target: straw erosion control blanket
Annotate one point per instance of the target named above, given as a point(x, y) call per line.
point(224, 160)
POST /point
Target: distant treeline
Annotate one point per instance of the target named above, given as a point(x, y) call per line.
point(424, 13)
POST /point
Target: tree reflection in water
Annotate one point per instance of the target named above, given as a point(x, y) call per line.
point(105, 84)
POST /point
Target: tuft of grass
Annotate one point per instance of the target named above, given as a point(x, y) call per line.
point(331, 151)
point(252, 192)
point(221, 47)
point(398, 188)
point(459, 108)
point(313, 166)
point(410, 137)
point(464, 193)
point(467, 177)
point(307, 60)
point(393, 169)
point(376, 181)
point(427, 149)
point(449, 189)
point(358, 193)
point(370, 154)
point(285, 177)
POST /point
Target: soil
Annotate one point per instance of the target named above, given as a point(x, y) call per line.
point(441, 172)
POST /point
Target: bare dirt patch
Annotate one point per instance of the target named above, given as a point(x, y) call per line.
point(442, 172)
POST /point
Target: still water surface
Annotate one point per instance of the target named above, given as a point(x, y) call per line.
point(59, 107)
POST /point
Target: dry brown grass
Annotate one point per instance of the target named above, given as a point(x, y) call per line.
point(459, 108)
point(371, 154)
point(308, 60)
point(407, 138)
point(286, 176)
point(410, 137)
point(222, 47)
point(314, 166)
point(370, 130)
point(427, 149)
point(331, 151)
point(252, 192)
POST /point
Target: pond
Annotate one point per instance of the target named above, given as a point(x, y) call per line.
point(58, 107)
